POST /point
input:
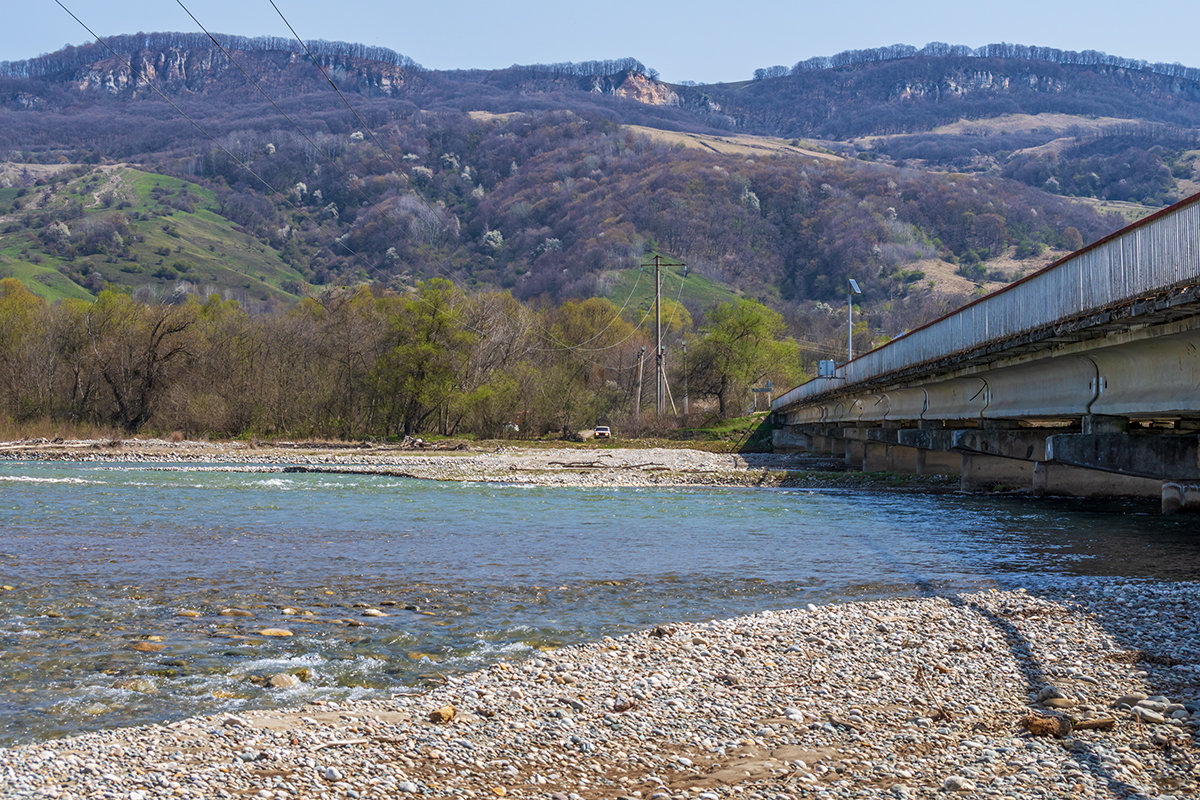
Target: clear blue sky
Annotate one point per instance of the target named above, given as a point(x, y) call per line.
point(697, 40)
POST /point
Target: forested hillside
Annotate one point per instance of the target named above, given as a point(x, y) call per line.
point(173, 168)
point(542, 202)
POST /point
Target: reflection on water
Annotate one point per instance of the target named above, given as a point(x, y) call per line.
point(101, 559)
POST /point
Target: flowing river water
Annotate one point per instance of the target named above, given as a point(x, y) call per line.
point(96, 560)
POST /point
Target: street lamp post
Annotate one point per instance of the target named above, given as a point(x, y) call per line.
point(853, 290)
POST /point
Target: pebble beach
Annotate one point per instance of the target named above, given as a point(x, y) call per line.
point(1087, 691)
point(543, 466)
point(1023, 694)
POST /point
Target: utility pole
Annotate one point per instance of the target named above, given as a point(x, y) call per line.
point(661, 392)
point(850, 292)
point(685, 381)
point(660, 406)
point(637, 395)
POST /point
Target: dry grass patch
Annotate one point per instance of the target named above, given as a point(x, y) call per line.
point(734, 145)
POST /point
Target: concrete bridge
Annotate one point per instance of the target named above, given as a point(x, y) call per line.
point(1081, 379)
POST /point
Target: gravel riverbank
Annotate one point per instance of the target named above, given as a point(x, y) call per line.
point(1017, 694)
point(558, 466)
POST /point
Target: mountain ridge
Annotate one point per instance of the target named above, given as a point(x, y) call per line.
point(538, 178)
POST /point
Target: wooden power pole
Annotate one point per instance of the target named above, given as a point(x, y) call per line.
point(660, 353)
point(660, 395)
point(637, 394)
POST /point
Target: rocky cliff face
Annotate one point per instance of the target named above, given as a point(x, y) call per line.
point(958, 84)
point(633, 86)
point(643, 89)
point(196, 69)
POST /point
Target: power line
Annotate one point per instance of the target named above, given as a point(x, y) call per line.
point(544, 335)
point(184, 114)
point(361, 121)
point(261, 91)
point(559, 346)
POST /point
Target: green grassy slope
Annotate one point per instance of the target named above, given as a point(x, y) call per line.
point(637, 286)
point(173, 234)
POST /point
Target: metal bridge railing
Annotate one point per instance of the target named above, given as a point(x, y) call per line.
point(1160, 251)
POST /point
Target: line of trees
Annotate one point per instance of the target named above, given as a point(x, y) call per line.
point(1021, 52)
point(363, 363)
point(72, 58)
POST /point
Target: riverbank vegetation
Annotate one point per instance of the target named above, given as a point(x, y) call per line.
point(374, 363)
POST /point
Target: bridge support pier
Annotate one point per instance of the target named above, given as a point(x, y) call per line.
point(788, 438)
point(855, 453)
point(905, 460)
point(938, 462)
point(875, 457)
point(825, 445)
point(990, 473)
point(1180, 497)
point(1060, 479)
point(881, 457)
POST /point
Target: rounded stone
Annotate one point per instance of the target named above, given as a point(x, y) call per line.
point(278, 632)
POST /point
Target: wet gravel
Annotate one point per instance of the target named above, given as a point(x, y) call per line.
point(562, 466)
point(1021, 694)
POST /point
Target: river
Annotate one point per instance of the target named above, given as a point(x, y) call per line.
point(96, 559)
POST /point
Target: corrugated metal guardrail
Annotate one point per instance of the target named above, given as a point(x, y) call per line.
point(1158, 252)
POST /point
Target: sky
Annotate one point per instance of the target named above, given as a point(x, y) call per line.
point(696, 40)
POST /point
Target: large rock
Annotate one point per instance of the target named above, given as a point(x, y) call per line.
point(283, 680)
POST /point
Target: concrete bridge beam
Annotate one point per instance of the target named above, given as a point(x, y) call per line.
point(886, 435)
point(1025, 443)
point(926, 439)
point(1162, 457)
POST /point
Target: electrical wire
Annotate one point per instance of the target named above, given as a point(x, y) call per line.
point(361, 121)
point(646, 316)
point(632, 333)
point(618, 315)
point(559, 346)
point(261, 91)
point(544, 335)
point(184, 114)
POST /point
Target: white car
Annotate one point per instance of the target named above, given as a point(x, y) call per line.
point(601, 432)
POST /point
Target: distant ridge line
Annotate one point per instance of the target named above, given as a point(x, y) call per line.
point(1003, 50)
point(77, 56)
point(74, 57)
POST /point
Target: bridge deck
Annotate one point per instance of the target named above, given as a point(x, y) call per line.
point(1083, 378)
point(1150, 269)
